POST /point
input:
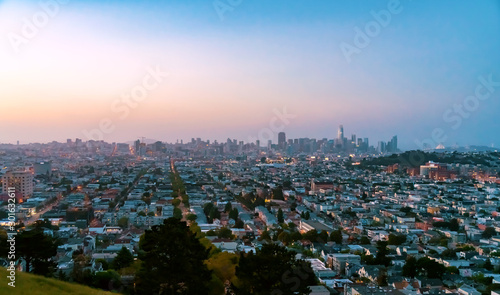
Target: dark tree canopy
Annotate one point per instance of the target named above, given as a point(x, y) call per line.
point(488, 232)
point(123, 259)
point(410, 267)
point(336, 236)
point(37, 249)
point(280, 216)
point(172, 261)
point(396, 239)
point(273, 270)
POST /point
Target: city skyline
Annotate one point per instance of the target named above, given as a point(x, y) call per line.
point(224, 74)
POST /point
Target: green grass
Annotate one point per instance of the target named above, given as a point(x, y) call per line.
point(37, 285)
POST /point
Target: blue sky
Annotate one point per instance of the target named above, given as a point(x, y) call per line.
point(227, 75)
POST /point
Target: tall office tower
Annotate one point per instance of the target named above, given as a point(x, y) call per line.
point(22, 181)
point(257, 143)
point(366, 143)
point(269, 144)
point(340, 133)
point(137, 146)
point(353, 139)
point(394, 143)
point(360, 142)
point(281, 140)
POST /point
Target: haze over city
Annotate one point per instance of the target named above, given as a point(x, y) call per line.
point(230, 69)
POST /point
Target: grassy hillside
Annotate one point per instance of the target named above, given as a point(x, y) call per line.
point(37, 285)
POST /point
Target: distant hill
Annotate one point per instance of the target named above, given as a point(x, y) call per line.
point(37, 285)
point(417, 158)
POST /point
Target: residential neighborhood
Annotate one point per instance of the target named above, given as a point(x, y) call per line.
point(364, 227)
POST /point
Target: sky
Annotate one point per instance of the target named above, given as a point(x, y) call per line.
point(426, 71)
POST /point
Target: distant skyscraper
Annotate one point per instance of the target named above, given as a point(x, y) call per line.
point(394, 143)
point(137, 146)
point(281, 140)
point(340, 133)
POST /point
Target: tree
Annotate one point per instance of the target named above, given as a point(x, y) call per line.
point(454, 225)
point(488, 232)
point(191, 217)
point(410, 267)
point(107, 280)
point(207, 208)
point(123, 222)
point(176, 202)
point(381, 257)
point(285, 238)
point(228, 207)
point(239, 224)
point(233, 214)
point(396, 239)
point(37, 250)
point(273, 270)
point(311, 235)
point(281, 218)
point(430, 268)
point(277, 194)
point(172, 261)
point(123, 259)
point(225, 233)
point(336, 236)
point(177, 213)
point(488, 265)
point(322, 237)
point(214, 213)
point(382, 278)
point(265, 236)
point(103, 262)
point(364, 240)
